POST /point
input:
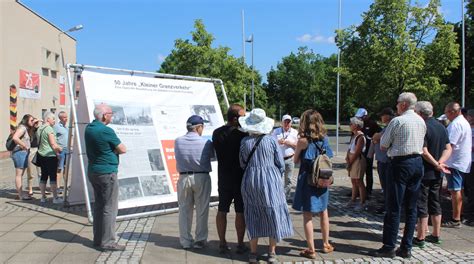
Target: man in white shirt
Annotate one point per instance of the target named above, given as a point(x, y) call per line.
point(287, 138)
point(459, 163)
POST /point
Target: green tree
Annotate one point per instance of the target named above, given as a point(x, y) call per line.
point(396, 48)
point(199, 58)
point(301, 81)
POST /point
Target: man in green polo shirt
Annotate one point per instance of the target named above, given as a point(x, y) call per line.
point(103, 147)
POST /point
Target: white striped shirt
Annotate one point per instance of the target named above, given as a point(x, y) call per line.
point(404, 135)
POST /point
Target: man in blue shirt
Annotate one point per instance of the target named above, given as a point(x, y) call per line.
point(62, 135)
point(103, 148)
point(193, 162)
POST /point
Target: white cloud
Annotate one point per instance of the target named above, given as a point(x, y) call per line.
point(315, 39)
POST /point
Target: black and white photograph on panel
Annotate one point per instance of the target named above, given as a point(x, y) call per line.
point(118, 117)
point(155, 185)
point(156, 162)
point(208, 113)
point(129, 188)
point(138, 115)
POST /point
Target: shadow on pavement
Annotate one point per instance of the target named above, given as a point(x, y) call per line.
point(34, 206)
point(64, 236)
point(212, 248)
point(354, 235)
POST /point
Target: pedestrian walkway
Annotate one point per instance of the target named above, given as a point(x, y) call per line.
point(35, 233)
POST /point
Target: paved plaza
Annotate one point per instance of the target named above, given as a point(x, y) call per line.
point(33, 233)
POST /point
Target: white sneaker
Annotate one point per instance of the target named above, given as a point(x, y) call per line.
point(58, 200)
point(43, 199)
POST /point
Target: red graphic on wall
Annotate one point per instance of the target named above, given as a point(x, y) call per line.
point(168, 149)
point(29, 81)
point(62, 94)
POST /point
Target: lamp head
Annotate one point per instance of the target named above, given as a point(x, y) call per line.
point(76, 28)
point(250, 39)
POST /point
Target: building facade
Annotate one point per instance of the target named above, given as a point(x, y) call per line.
point(30, 59)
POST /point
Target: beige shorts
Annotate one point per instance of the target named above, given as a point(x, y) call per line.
point(357, 168)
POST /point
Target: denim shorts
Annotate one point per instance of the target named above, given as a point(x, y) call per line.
point(20, 159)
point(455, 180)
point(62, 159)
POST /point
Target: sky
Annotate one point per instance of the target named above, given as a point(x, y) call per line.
point(139, 34)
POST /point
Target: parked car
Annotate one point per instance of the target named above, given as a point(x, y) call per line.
point(295, 120)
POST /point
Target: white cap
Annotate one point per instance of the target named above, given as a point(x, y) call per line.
point(286, 117)
point(361, 112)
point(442, 117)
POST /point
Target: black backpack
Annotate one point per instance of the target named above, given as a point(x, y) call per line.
point(10, 144)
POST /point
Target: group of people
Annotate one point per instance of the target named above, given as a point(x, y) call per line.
point(255, 174)
point(255, 168)
point(40, 143)
point(414, 151)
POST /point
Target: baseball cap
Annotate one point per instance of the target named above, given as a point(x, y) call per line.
point(286, 117)
point(361, 112)
point(195, 120)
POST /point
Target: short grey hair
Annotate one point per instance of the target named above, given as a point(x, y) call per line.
point(99, 111)
point(47, 115)
point(409, 98)
point(357, 121)
point(424, 108)
point(193, 128)
point(62, 113)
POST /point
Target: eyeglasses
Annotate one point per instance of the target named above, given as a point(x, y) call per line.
point(109, 113)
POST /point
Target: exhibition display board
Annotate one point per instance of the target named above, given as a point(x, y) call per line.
point(149, 114)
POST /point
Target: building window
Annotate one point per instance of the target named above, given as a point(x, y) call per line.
point(54, 74)
point(48, 53)
point(45, 71)
point(56, 57)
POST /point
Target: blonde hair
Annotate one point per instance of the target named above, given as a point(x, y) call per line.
point(312, 125)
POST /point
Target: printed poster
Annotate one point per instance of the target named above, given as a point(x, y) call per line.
point(149, 114)
point(62, 90)
point(29, 85)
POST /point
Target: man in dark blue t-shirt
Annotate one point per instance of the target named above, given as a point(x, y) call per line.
point(436, 151)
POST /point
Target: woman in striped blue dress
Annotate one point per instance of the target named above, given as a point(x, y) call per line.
point(265, 209)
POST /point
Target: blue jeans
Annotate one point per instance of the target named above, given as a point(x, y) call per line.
point(402, 187)
point(383, 168)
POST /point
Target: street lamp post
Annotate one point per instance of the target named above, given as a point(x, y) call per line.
point(251, 40)
point(338, 89)
point(73, 116)
point(76, 28)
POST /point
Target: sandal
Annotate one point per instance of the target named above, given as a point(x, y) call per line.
point(328, 248)
point(308, 254)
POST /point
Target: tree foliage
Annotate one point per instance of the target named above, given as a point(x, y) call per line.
point(199, 58)
point(396, 48)
point(301, 81)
